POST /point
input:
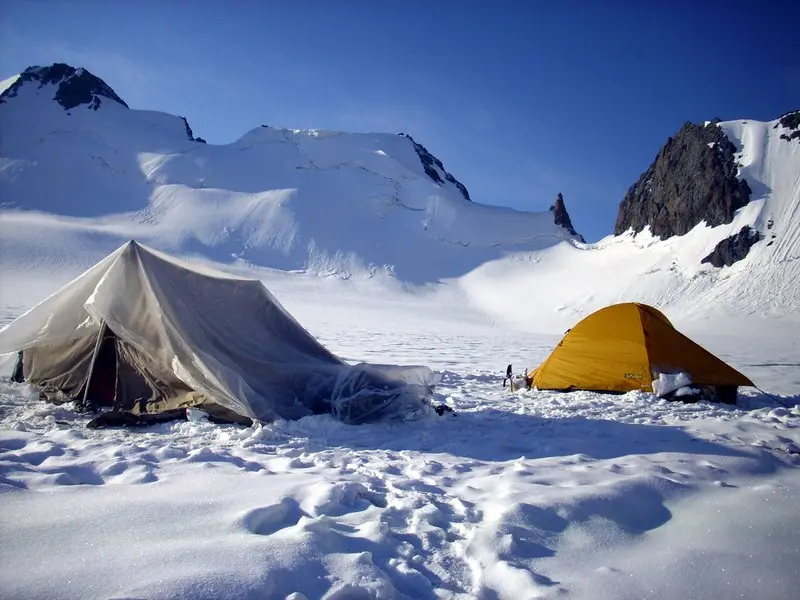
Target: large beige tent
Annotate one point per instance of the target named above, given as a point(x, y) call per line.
point(144, 333)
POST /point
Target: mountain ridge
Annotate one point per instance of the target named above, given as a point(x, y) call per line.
point(356, 207)
point(335, 202)
point(78, 86)
point(692, 179)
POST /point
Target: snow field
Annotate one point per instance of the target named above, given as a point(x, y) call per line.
point(531, 494)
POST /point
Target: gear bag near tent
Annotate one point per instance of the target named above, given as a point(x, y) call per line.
point(151, 336)
point(632, 346)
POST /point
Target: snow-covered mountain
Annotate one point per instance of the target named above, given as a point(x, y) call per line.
point(324, 201)
point(748, 266)
point(81, 172)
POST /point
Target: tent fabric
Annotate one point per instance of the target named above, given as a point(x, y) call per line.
point(624, 347)
point(181, 328)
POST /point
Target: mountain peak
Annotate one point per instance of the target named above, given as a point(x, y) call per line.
point(74, 87)
point(694, 178)
point(561, 216)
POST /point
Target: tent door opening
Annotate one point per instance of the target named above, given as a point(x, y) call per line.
point(101, 383)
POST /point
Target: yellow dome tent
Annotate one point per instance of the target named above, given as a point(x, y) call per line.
point(624, 347)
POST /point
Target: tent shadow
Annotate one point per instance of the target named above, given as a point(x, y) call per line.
point(497, 435)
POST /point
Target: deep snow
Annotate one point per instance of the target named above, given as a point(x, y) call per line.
point(523, 495)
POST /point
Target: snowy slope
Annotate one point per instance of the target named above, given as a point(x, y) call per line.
point(550, 289)
point(328, 202)
point(333, 203)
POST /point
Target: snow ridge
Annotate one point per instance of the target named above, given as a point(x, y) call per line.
point(286, 199)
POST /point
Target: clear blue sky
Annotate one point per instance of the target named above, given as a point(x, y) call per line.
point(519, 99)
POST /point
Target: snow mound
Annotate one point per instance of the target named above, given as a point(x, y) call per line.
point(670, 382)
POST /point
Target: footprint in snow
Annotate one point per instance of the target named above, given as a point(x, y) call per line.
point(267, 520)
point(340, 499)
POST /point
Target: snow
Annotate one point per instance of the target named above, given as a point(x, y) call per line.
point(7, 83)
point(527, 494)
point(671, 382)
point(529, 288)
point(519, 495)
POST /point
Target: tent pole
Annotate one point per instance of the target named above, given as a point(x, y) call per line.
point(96, 351)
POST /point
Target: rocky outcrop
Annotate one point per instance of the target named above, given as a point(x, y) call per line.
point(733, 248)
point(434, 167)
point(692, 179)
point(75, 86)
point(190, 133)
point(791, 122)
point(561, 217)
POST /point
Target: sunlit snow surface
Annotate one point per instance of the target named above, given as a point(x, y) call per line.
point(523, 495)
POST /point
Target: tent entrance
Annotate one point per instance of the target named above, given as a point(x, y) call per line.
point(101, 382)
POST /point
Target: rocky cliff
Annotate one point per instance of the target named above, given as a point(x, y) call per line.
point(561, 217)
point(693, 179)
point(790, 126)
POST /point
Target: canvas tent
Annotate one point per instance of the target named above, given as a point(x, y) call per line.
point(146, 334)
point(625, 347)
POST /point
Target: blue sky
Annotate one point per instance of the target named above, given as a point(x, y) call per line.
point(519, 99)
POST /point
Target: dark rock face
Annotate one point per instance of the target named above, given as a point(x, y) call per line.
point(790, 121)
point(75, 86)
point(733, 248)
point(190, 133)
point(692, 179)
point(434, 167)
point(561, 217)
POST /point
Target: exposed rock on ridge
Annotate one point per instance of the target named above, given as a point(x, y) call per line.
point(434, 167)
point(692, 179)
point(733, 248)
point(561, 217)
point(190, 133)
point(75, 86)
point(790, 121)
